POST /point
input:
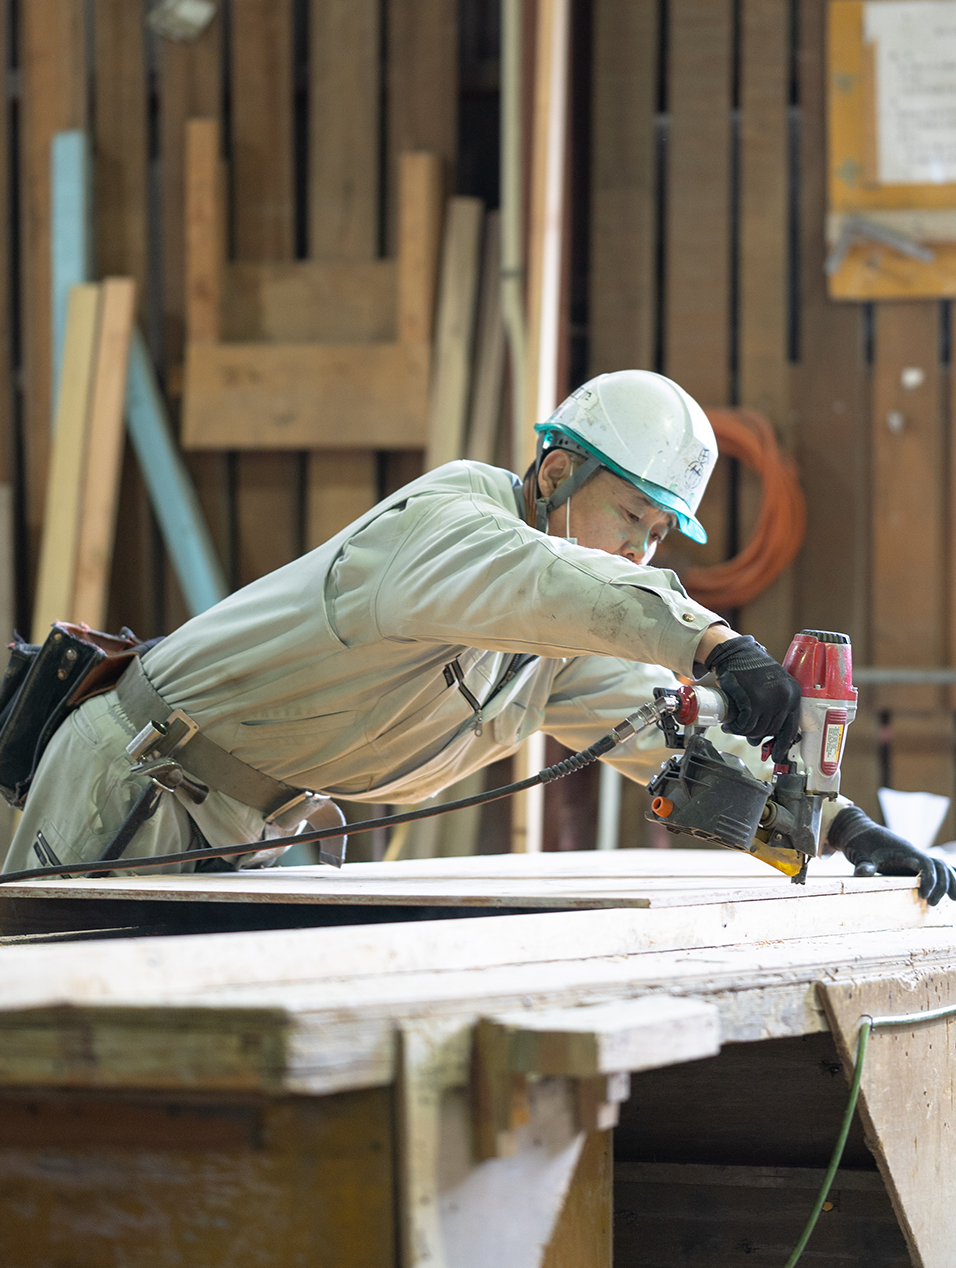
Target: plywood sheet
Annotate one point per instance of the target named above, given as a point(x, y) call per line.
point(908, 1116)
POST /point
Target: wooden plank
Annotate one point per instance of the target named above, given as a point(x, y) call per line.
point(454, 334)
point(190, 74)
point(177, 1179)
point(631, 1035)
point(419, 236)
point(53, 99)
point(422, 91)
point(311, 301)
point(190, 87)
point(305, 396)
point(174, 499)
point(484, 422)
point(622, 302)
point(662, 1209)
point(101, 466)
point(205, 232)
point(344, 225)
point(121, 142)
point(71, 218)
point(268, 488)
point(697, 264)
point(913, 1147)
point(764, 372)
point(908, 471)
point(830, 392)
point(342, 486)
point(262, 171)
point(120, 234)
point(344, 114)
point(55, 582)
point(583, 1235)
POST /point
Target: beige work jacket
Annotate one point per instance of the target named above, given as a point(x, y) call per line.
point(339, 672)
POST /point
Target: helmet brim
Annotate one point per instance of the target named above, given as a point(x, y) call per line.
point(687, 522)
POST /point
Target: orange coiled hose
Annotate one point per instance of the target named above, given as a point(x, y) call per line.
point(746, 435)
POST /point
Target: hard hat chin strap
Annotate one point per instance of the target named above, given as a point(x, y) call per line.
point(565, 490)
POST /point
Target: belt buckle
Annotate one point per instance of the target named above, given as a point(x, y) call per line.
point(162, 739)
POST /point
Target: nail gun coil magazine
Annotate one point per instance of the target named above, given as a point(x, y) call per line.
point(710, 795)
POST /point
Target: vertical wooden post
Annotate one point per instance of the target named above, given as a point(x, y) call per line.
point(190, 87)
point(205, 246)
point(831, 423)
point(763, 279)
point(909, 605)
point(120, 233)
point(104, 452)
point(268, 485)
point(622, 325)
point(344, 142)
point(697, 265)
point(422, 110)
point(546, 239)
point(53, 60)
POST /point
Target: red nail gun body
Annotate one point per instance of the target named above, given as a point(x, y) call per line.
point(713, 795)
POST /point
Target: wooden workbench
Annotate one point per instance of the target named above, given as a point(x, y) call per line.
point(315, 1095)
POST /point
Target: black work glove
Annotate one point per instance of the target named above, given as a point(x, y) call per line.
point(764, 700)
point(872, 848)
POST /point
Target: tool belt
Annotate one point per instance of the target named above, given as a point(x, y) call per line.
point(43, 684)
point(167, 735)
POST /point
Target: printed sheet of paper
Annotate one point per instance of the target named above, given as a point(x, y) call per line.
point(915, 65)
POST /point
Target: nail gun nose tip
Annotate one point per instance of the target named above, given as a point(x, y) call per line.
point(662, 807)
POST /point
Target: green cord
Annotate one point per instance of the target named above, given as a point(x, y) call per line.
point(866, 1025)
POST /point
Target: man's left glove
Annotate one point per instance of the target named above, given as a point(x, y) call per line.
point(872, 848)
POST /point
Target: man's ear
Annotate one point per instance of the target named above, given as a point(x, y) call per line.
point(554, 470)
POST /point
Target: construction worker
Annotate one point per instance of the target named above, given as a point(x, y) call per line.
point(425, 641)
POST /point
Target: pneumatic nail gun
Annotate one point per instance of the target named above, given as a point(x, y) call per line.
point(712, 795)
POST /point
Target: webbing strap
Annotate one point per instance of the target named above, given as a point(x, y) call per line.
point(565, 490)
point(201, 757)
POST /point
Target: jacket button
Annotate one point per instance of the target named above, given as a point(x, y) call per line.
point(688, 616)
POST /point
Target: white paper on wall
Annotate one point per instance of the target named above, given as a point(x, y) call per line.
point(915, 67)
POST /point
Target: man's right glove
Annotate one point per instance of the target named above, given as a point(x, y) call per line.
point(872, 848)
point(764, 699)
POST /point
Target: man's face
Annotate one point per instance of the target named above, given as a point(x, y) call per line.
point(607, 513)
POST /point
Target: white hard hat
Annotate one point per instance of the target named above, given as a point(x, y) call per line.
point(646, 429)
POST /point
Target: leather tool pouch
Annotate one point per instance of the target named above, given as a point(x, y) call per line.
point(43, 684)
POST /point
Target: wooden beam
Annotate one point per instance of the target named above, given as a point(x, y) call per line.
point(486, 402)
point(419, 238)
point(622, 300)
point(341, 488)
point(205, 232)
point(451, 374)
point(305, 396)
point(190, 87)
point(53, 99)
point(268, 488)
point(103, 458)
point(697, 265)
point(344, 37)
point(764, 368)
point(908, 472)
point(909, 1154)
point(422, 109)
point(56, 577)
point(310, 301)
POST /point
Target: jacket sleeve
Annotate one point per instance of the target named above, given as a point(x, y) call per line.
point(462, 570)
point(592, 694)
